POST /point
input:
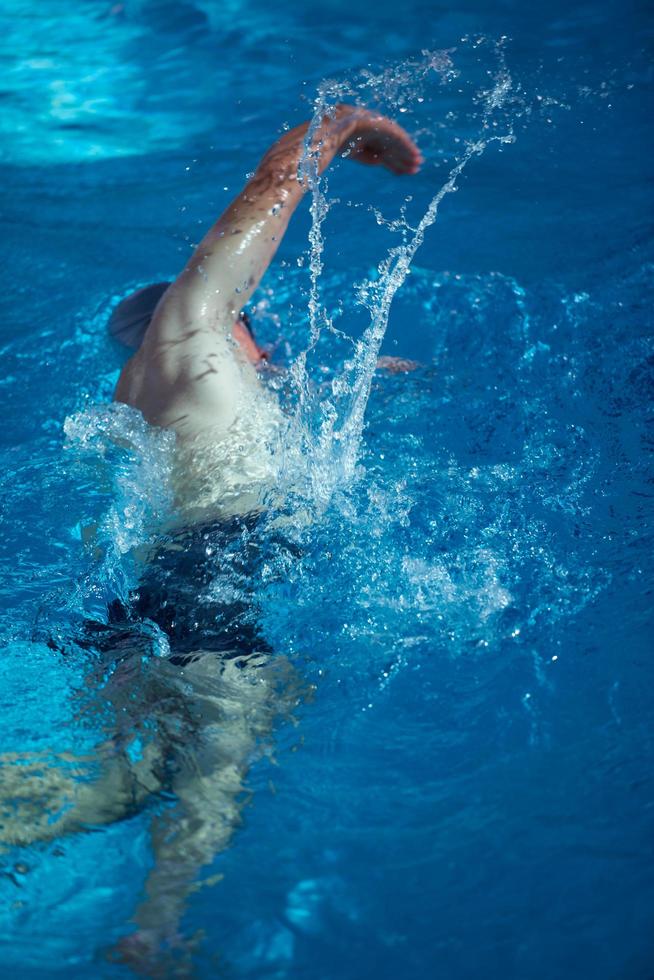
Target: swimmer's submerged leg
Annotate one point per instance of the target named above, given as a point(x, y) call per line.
point(236, 702)
point(210, 720)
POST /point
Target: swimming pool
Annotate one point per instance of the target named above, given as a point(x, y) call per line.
point(463, 785)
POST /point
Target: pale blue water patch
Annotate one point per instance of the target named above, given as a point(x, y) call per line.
point(465, 789)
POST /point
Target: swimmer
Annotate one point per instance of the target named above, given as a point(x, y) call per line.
point(200, 713)
point(195, 371)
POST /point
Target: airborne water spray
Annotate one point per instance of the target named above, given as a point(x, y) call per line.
point(322, 444)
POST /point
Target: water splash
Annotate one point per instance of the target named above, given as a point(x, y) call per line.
point(322, 443)
point(134, 463)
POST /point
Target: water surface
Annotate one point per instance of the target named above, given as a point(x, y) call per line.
point(464, 788)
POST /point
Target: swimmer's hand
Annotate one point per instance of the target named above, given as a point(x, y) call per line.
point(347, 130)
point(378, 141)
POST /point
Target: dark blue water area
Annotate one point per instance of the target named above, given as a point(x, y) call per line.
point(464, 786)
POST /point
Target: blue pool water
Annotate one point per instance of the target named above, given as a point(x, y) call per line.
point(459, 782)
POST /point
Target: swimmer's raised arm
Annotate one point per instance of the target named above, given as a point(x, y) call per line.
point(230, 260)
point(173, 377)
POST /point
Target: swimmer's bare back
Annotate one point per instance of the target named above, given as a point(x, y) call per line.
point(195, 370)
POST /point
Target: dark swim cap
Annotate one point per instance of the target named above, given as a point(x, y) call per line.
point(131, 318)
